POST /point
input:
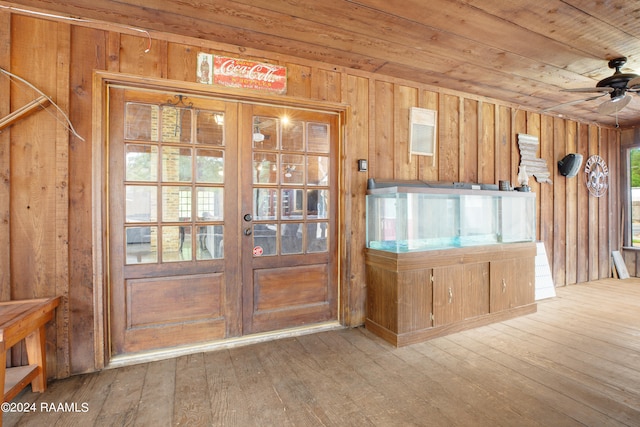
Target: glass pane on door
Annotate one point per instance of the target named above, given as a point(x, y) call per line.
point(290, 185)
point(182, 209)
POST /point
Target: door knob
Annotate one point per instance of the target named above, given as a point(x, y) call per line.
point(247, 231)
point(247, 217)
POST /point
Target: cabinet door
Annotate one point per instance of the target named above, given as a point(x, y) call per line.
point(414, 300)
point(512, 283)
point(448, 299)
point(476, 289)
point(525, 277)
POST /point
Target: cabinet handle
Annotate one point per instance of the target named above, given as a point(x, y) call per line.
point(450, 296)
point(504, 286)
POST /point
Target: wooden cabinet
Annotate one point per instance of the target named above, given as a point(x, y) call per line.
point(512, 283)
point(416, 296)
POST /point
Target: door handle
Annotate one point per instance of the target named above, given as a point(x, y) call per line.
point(247, 231)
point(247, 217)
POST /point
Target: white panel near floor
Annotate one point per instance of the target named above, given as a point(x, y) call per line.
point(544, 280)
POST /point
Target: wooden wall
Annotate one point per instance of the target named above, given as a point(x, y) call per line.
point(45, 182)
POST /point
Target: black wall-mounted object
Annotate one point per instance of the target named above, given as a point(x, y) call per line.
point(570, 165)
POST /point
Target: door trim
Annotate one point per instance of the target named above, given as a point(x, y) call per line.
point(99, 186)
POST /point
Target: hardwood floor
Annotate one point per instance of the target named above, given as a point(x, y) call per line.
point(576, 362)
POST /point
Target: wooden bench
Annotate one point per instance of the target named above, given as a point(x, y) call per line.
point(25, 319)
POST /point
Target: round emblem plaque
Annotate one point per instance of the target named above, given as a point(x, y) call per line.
point(596, 175)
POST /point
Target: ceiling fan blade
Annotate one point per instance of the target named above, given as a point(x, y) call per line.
point(590, 89)
point(566, 104)
point(634, 83)
point(614, 105)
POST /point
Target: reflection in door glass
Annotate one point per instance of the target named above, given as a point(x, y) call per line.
point(210, 204)
point(292, 135)
point(291, 238)
point(210, 166)
point(317, 204)
point(141, 163)
point(176, 243)
point(265, 238)
point(141, 203)
point(176, 203)
point(141, 244)
point(265, 168)
point(317, 237)
point(292, 202)
point(317, 170)
point(210, 242)
point(176, 164)
point(265, 203)
point(176, 124)
point(318, 137)
point(210, 127)
point(141, 122)
point(292, 169)
point(265, 133)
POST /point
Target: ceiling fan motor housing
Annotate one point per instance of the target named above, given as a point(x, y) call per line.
point(619, 80)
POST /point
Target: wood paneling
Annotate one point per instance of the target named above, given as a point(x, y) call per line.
point(571, 212)
point(5, 162)
point(404, 98)
point(477, 141)
point(558, 150)
point(593, 212)
point(382, 118)
point(582, 265)
point(353, 284)
point(449, 138)
point(88, 43)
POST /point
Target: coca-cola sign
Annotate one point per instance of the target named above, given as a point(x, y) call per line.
point(245, 74)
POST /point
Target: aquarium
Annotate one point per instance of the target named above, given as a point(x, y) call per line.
point(414, 218)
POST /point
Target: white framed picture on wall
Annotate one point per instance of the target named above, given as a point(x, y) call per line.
point(422, 132)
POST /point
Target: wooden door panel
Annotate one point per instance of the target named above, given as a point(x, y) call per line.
point(156, 302)
point(476, 289)
point(512, 283)
point(501, 273)
point(170, 335)
point(382, 294)
point(284, 288)
point(525, 292)
point(169, 311)
point(289, 297)
point(448, 302)
point(414, 300)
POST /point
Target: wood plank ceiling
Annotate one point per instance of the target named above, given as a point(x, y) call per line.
point(517, 51)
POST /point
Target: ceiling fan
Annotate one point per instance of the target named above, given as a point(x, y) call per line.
point(616, 86)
